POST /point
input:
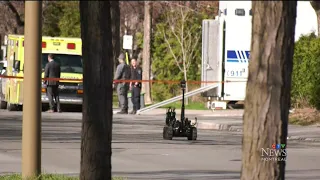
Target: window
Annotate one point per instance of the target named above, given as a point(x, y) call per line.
point(240, 12)
point(250, 12)
point(68, 63)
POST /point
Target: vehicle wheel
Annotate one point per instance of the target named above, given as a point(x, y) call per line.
point(193, 134)
point(167, 133)
point(3, 105)
point(11, 107)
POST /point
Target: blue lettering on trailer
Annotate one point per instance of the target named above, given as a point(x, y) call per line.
point(238, 56)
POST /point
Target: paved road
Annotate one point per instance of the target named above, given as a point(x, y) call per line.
point(140, 153)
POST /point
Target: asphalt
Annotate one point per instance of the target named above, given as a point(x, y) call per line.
point(139, 152)
point(231, 120)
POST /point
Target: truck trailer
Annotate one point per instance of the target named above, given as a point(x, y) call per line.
point(226, 43)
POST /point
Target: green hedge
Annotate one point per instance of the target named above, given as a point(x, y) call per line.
point(306, 72)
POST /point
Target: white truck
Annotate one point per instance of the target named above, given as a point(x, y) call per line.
point(226, 42)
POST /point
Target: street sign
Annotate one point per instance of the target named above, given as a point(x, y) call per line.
point(127, 42)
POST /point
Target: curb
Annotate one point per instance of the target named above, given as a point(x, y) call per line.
point(217, 126)
point(303, 139)
point(212, 126)
point(226, 127)
point(222, 115)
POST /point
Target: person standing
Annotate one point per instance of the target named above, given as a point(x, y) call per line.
point(135, 86)
point(122, 73)
point(52, 70)
point(4, 62)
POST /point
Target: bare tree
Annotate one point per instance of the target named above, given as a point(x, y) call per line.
point(210, 7)
point(147, 51)
point(12, 16)
point(187, 35)
point(131, 21)
point(115, 18)
point(316, 7)
point(97, 84)
point(131, 16)
point(45, 4)
point(267, 100)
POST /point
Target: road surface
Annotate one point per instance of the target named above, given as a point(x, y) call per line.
point(139, 152)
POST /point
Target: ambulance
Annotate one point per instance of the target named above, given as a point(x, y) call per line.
point(67, 52)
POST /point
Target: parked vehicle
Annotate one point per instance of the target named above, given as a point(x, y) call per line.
point(67, 51)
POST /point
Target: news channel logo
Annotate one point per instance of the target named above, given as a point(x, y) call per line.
point(277, 152)
point(278, 146)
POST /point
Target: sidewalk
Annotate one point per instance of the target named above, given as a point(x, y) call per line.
point(295, 132)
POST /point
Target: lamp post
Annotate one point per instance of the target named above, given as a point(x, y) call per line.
point(31, 124)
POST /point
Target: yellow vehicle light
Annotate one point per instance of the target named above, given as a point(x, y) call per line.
point(79, 91)
point(43, 90)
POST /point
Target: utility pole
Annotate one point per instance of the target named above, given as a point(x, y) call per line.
point(31, 129)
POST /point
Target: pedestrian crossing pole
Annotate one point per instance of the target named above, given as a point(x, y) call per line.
point(31, 125)
point(127, 58)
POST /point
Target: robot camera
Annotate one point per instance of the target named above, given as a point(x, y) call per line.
point(183, 84)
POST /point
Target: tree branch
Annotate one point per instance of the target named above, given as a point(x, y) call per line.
point(186, 39)
point(315, 5)
point(189, 36)
point(197, 39)
point(171, 27)
point(182, 37)
point(19, 21)
point(187, 49)
point(192, 54)
point(170, 48)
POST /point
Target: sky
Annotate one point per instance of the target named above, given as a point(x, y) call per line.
point(306, 21)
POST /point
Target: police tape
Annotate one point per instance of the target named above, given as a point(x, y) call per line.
point(128, 81)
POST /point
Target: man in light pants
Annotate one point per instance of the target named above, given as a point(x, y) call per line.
point(122, 73)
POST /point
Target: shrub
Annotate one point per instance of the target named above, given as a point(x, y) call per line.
point(306, 72)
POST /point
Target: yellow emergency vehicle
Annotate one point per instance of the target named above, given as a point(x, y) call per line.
point(67, 52)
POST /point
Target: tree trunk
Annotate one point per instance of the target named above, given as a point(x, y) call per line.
point(146, 51)
point(267, 100)
point(115, 19)
point(97, 112)
point(316, 7)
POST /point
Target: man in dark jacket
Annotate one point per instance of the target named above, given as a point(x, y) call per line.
point(52, 70)
point(135, 86)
